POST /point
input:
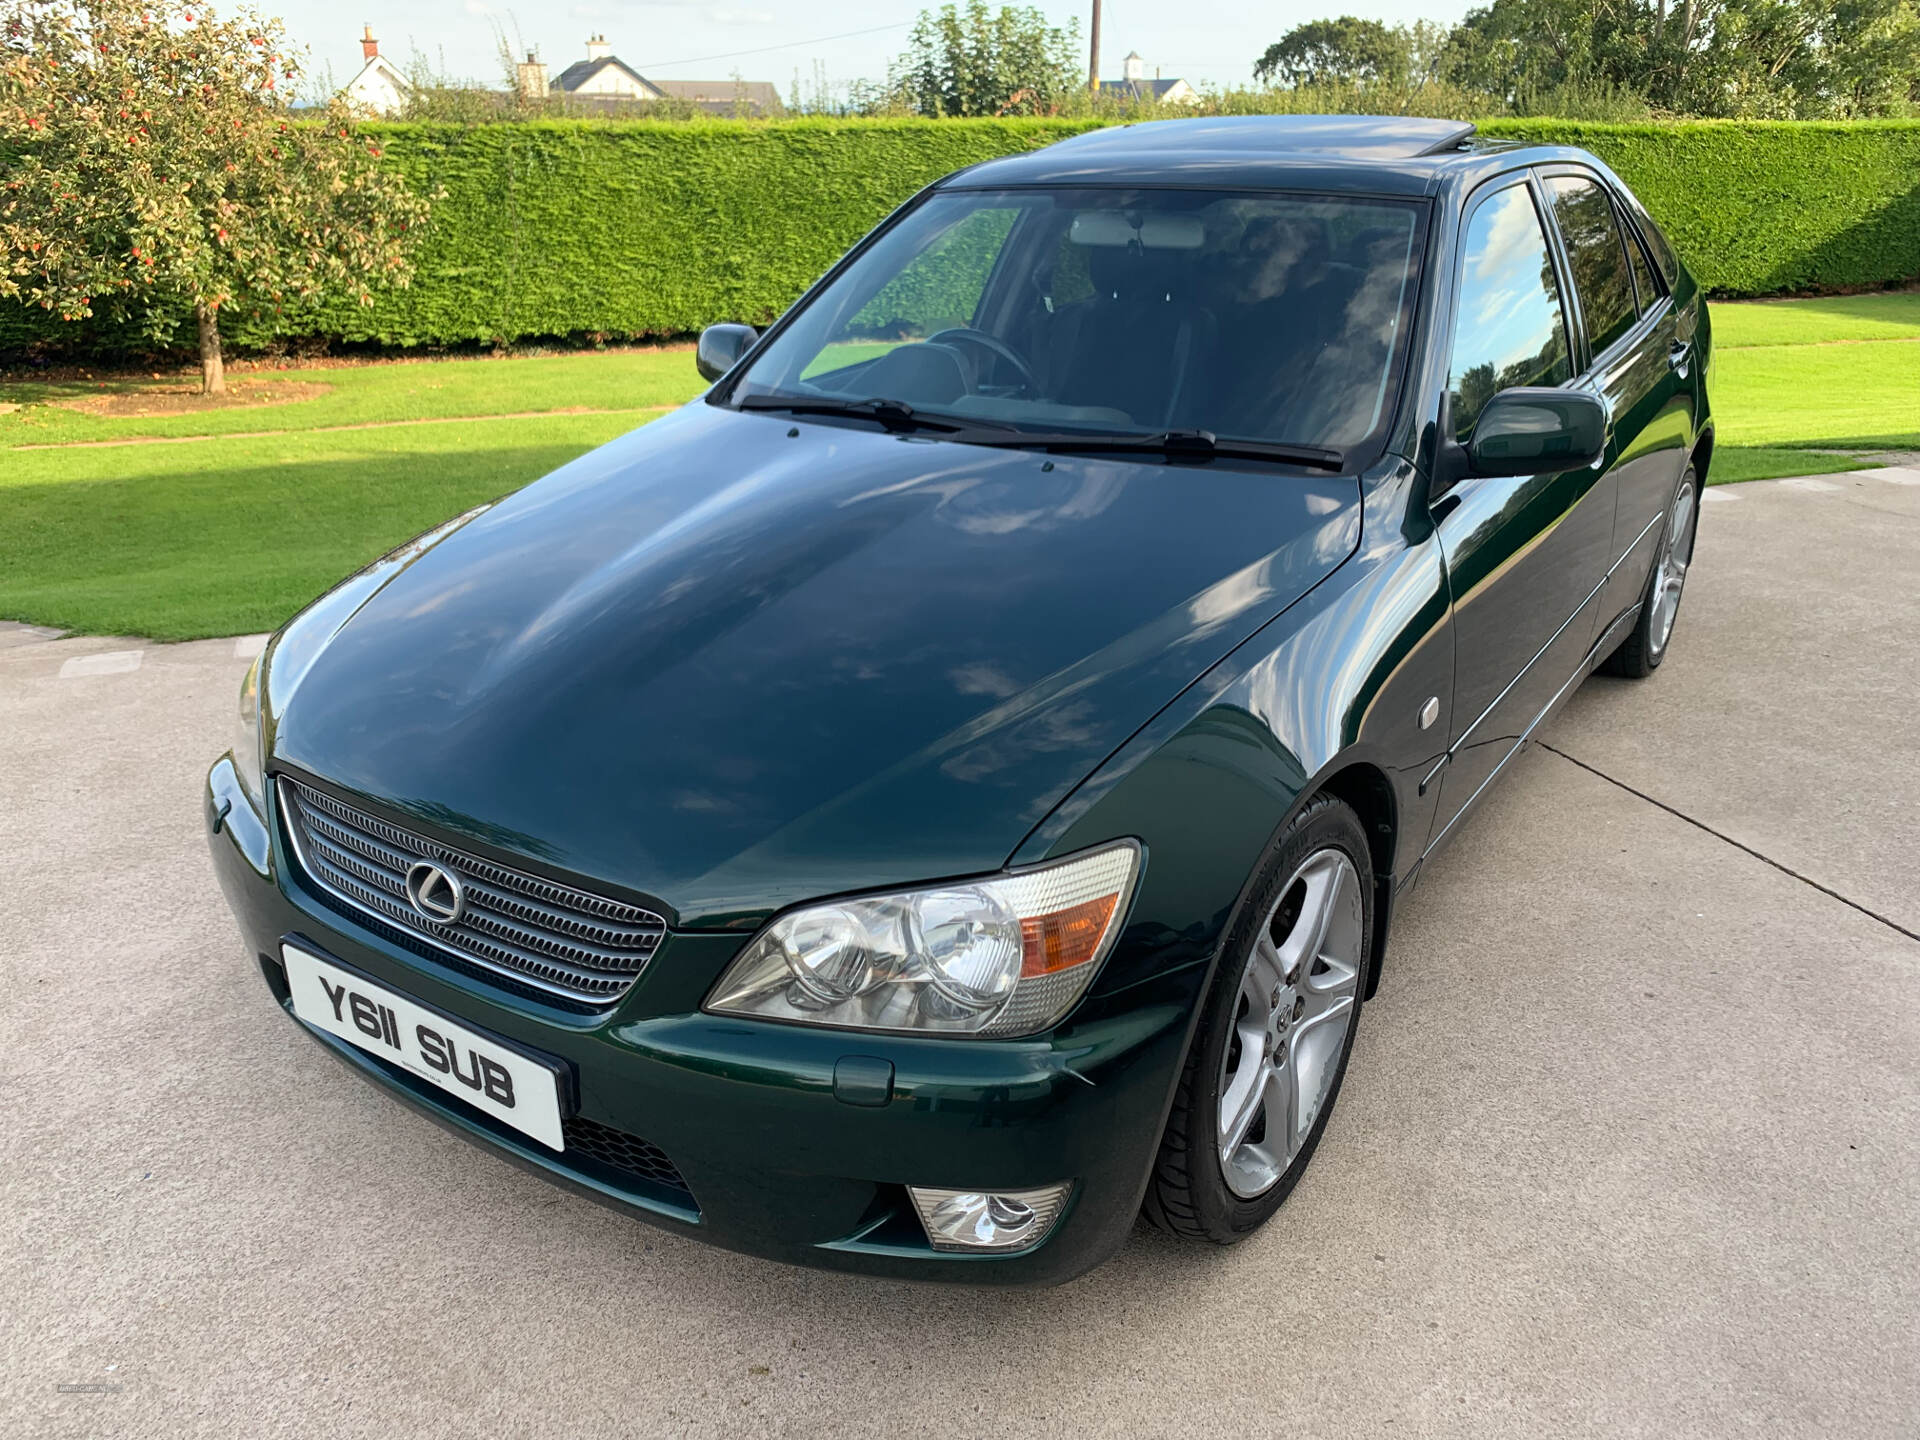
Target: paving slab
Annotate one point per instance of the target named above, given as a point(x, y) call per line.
point(1787, 713)
point(1628, 1146)
point(13, 633)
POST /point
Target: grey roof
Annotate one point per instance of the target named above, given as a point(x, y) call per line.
point(723, 96)
point(761, 95)
point(581, 71)
point(1138, 89)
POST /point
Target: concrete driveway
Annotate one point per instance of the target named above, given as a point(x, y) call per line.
point(1630, 1146)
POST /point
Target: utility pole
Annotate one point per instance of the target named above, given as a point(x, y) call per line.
point(1093, 54)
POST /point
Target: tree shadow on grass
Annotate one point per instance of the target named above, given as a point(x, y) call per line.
point(231, 550)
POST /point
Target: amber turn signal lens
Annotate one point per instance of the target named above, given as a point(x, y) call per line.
point(1064, 938)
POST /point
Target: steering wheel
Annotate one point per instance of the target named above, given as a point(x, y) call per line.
point(999, 349)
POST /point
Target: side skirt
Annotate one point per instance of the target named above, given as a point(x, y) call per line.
point(1598, 651)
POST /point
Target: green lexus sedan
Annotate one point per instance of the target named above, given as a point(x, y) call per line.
point(942, 794)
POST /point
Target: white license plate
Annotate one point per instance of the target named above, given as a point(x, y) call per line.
point(511, 1087)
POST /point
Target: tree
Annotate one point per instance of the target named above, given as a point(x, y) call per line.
point(974, 61)
point(1348, 50)
point(1788, 59)
point(158, 166)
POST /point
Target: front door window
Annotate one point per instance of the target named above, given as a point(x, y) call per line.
point(1510, 328)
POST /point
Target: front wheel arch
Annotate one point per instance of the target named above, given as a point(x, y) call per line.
point(1186, 1191)
point(1365, 790)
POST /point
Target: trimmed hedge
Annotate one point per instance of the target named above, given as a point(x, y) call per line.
point(1761, 207)
point(658, 228)
point(628, 228)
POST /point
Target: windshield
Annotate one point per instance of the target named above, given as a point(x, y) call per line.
point(1267, 317)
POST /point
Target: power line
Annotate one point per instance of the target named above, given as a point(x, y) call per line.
point(764, 49)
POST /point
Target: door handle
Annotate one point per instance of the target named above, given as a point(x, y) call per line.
point(1678, 356)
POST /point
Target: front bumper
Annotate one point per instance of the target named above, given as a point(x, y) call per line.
point(777, 1159)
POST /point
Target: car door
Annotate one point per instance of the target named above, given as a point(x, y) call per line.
point(1526, 555)
point(1640, 367)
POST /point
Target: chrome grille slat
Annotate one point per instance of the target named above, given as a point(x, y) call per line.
point(478, 949)
point(539, 932)
point(333, 858)
point(473, 866)
point(603, 935)
point(550, 930)
point(374, 850)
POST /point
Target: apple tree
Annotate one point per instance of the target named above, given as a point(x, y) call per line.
point(153, 162)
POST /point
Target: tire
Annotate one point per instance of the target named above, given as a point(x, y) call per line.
point(1205, 1185)
point(1642, 651)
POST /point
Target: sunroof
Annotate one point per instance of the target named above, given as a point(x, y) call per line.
point(1376, 137)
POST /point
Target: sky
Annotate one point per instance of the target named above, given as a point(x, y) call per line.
point(1209, 41)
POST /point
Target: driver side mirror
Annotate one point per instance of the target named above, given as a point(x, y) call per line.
point(721, 347)
point(1528, 430)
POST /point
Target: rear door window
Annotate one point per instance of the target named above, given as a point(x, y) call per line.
point(1598, 255)
point(1657, 244)
point(1643, 280)
point(1510, 327)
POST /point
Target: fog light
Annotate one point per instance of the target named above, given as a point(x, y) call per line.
point(988, 1220)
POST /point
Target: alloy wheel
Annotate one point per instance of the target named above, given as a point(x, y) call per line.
point(1676, 553)
point(1297, 999)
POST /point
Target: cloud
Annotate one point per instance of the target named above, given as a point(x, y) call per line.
point(984, 680)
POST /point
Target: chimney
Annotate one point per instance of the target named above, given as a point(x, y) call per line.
point(530, 78)
point(597, 47)
point(1133, 67)
point(369, 47)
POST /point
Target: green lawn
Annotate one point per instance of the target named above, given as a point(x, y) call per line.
point(232, 532)
point(1862, 396)
point(372, 394)
point(230, 537)
point(1770, 462)
point(1840, 373)
point(1812, 322)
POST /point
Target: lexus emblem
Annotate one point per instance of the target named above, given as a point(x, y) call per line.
point(436, 893)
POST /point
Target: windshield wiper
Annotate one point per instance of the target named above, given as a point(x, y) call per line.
point(894, 414)
point(1196, 445)
point(1174, 444)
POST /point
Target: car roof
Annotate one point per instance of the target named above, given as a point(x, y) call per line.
point(1372, 154)
point(1378, 137)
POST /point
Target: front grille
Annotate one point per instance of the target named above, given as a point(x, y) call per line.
point(552, 937)
point(620, 1151)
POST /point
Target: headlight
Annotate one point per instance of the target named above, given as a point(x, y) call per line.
point(246, 737)
point(1003, 956)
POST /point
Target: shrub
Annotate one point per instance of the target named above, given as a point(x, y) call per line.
point(566, 228)
point(1760, 207)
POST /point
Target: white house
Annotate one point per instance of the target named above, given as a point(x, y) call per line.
point(605, 78)
point(379, 88)
point(1136, 86)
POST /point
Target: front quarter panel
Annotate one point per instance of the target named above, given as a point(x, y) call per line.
point(1339, 680)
